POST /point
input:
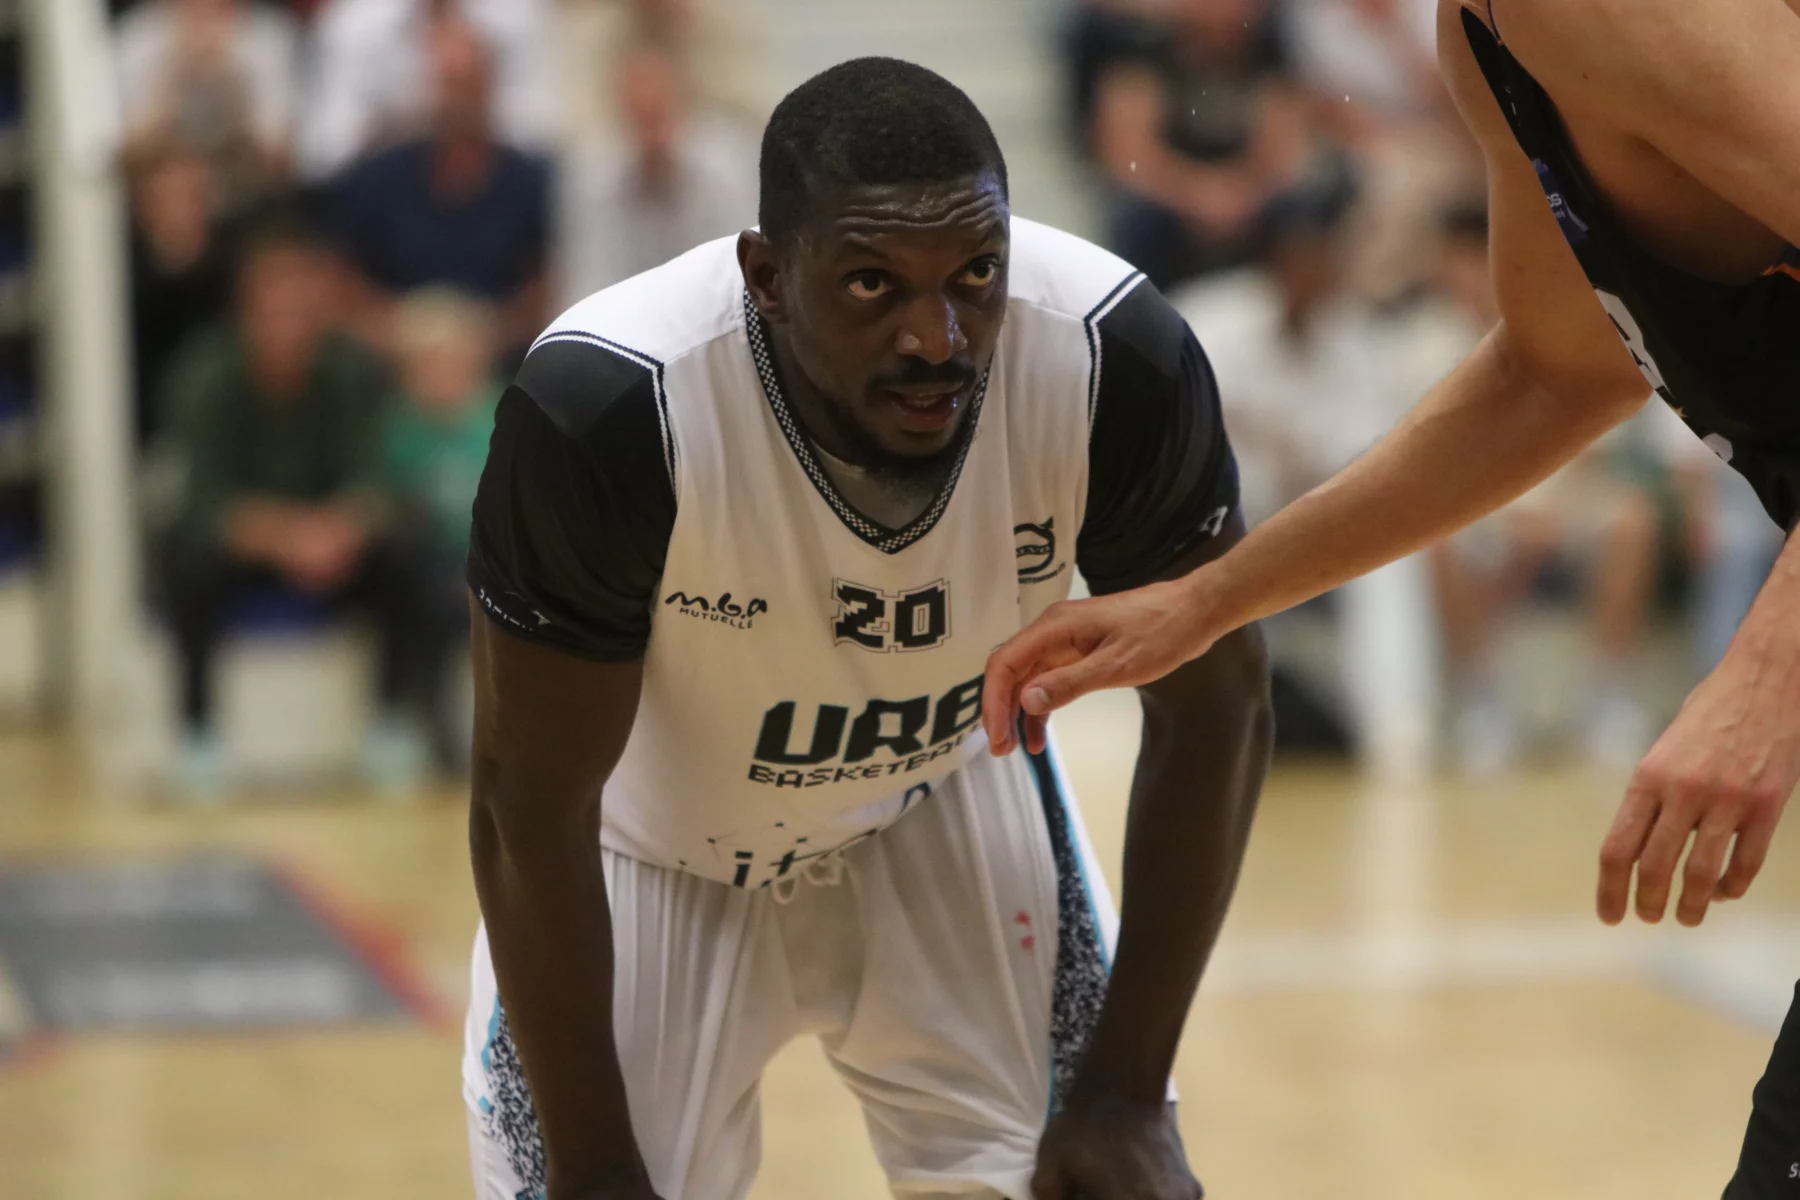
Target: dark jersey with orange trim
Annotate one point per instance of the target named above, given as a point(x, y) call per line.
point(1725, 357)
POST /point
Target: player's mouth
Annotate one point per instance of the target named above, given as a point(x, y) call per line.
point(925, 408)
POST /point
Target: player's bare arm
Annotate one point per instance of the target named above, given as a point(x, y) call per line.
point(549, 729)
point(1548, 380)
point(1207, 731)
point(1689, 116)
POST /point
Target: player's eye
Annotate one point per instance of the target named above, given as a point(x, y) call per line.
point(868, 285)
point(980, 273)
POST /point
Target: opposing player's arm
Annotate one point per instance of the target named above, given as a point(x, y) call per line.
point(1710, 85)
point(1549, 379)
point(571, 527)
point(1162, 500)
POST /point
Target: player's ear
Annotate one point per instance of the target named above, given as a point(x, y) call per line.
point(760, 263)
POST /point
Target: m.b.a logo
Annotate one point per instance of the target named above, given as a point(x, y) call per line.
point(888, 737)
point(723, 611)
point(1034, 549)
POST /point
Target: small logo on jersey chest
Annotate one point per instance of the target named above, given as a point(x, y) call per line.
point(1034, 550)
point(883, 622)
point(735, 614)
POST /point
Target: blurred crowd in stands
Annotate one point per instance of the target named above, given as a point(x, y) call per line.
point(349, 220)
point(351, 217)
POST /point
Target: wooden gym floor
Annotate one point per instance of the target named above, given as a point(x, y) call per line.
point(1412, 1001)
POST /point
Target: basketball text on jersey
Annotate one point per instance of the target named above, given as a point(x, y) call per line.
point(887, 738)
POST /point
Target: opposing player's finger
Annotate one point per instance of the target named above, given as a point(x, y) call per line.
point(1747, 856)
point(999, 702)
point(1705, 862)
point(1619, 853)
point(1656, 865)
point(1037, 733)
point(1045, 693)
point(1044, 643)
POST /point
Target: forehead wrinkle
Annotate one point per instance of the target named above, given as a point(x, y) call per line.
point(872, 224)
point(921, 212)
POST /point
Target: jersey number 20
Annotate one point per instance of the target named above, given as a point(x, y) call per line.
point(917, 619)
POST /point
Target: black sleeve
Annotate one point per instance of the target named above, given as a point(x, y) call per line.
point(1161, 476)
point(576, 505)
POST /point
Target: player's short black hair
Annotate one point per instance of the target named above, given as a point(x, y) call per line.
point(869, 121)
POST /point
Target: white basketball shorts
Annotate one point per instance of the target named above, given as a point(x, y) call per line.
point(952, 967)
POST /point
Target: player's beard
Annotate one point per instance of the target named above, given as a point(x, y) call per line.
point(907, 472)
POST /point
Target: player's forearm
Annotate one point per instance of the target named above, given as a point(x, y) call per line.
point(543, 895)
point(1479, 439)
point(1207, 731)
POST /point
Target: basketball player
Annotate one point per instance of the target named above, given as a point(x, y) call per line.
point(1666, 136)
point(750, 525)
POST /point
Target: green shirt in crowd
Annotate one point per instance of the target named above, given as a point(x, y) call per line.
point(320, 445)
point(434, 464)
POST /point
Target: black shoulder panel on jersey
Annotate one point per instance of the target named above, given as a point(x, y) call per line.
point(1161, 476)
point(577, 503)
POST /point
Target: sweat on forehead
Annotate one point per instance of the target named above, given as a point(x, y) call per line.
point(870, 121)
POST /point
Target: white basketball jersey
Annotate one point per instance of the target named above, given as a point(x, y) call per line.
point(809, 673)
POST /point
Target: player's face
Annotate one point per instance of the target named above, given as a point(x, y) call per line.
point(891, 303)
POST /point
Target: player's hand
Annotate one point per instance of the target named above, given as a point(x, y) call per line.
point(1081, 646)
point(1722, 772)
point(1113, 1150)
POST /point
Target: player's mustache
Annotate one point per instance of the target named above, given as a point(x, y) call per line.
point(918, 372)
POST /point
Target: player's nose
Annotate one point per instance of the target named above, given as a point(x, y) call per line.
point(930, 329)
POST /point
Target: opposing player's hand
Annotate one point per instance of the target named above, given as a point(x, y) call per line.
point(1082, 646)
point(1722, 772)
point(1106, 1150)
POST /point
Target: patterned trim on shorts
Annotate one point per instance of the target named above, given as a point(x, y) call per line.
point(1081, 967)
point(507, 1113)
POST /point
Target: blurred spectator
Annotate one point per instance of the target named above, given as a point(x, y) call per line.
point(1600, 515)
point(720, 44)
point(455, 207)
point(1203, 130)
point(434, 448)
point(671, 184)
point(217, 76)
point(180, 277)
point(275, 422)
point(1371, 66)
point(1308, 371)
point(373, 75)
point(1100, 33)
